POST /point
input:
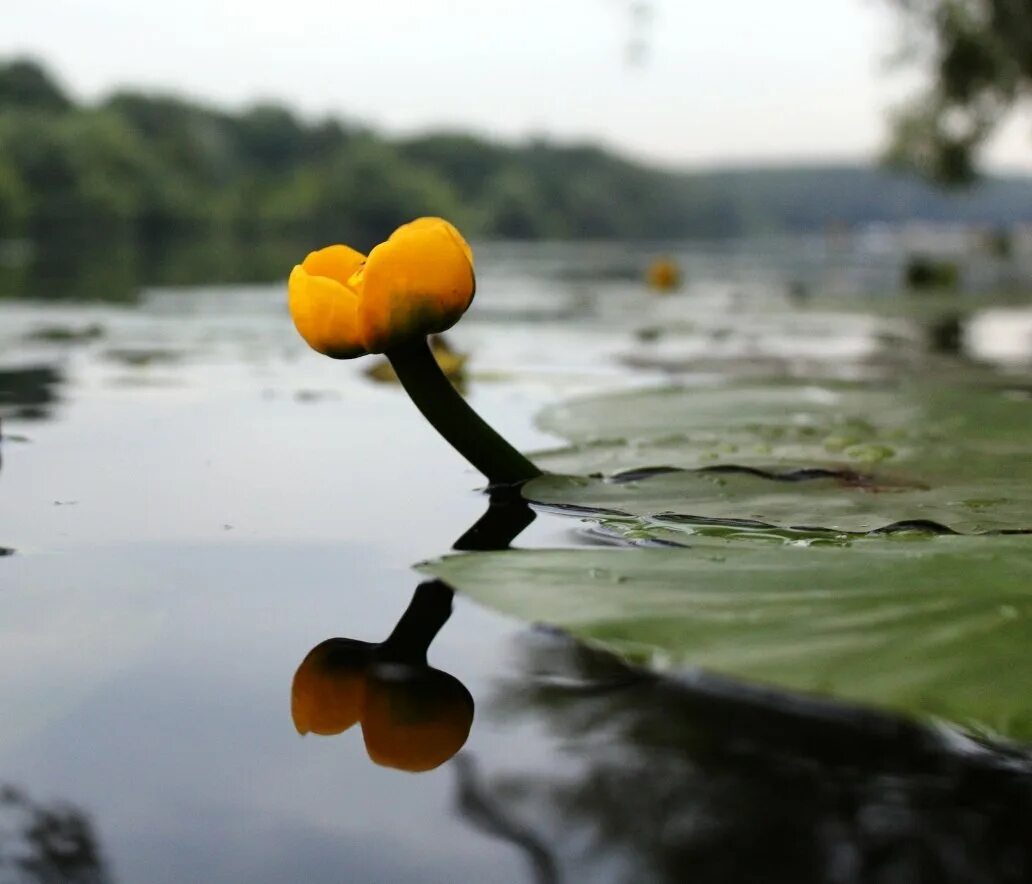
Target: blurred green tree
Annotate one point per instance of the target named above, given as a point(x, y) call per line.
point(359, 195)
point(270, 139)
point(979, 58)
point(190, 138)
point(25, 84)
point(466, 161)
point(87, 169)
point(514, 206)
point(151, 167)
point(14, 200)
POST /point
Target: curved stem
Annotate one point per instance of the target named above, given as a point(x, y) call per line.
point(429, 610)
point(506, 517)
point(452, 417)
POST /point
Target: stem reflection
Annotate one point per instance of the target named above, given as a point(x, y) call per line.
point(413, 717)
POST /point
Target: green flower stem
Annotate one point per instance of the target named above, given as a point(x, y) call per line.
point(452, 417)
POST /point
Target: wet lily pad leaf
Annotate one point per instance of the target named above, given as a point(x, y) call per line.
point(688, 499)
point(771, 411)
point(933, 627)
point(842, 458)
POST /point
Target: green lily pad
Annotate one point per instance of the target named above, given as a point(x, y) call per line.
point(684, 500)
point(839, 458)
point(932, 628)
point(766, 413)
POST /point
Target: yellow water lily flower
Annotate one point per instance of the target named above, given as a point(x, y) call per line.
point(663, 275)
point(417, 283)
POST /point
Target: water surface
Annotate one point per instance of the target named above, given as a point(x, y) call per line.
point(192, 501)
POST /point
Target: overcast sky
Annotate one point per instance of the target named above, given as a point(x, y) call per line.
point(724, 82)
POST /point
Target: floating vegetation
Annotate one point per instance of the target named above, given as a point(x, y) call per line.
point(852, 459)
point(923, 273)
point(67, 334)
point(451, 362)
point(927, 630)
point(141, 357)
point(30, 392)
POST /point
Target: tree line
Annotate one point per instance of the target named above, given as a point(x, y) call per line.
point(152, 166)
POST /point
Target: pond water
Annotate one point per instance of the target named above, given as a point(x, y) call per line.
point(192, 501)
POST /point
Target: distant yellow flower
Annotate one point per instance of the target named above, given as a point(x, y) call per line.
point(664, 275)
point(417, 283)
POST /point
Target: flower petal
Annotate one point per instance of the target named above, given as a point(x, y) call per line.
point(333, 262)
point(325, 313)
point(415, 721)
point(417, 283)
point(327, 693)
point(430, 222)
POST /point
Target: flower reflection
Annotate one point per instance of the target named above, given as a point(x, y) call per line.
point(413, 717)
point(329, 687)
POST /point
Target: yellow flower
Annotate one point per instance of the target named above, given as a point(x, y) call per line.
point(417, 283)
point(663, 275)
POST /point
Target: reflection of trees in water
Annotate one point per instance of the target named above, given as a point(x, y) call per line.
point(116, 268)
point(29, 393)
point(487, 814)
point(95, 268)
point(711, 782)
point(49, 844)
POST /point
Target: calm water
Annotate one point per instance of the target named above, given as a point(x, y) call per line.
point(194, 500)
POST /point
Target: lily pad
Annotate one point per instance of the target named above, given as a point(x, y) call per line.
point(843, 459)
point(932, 628)
point(684, 500)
